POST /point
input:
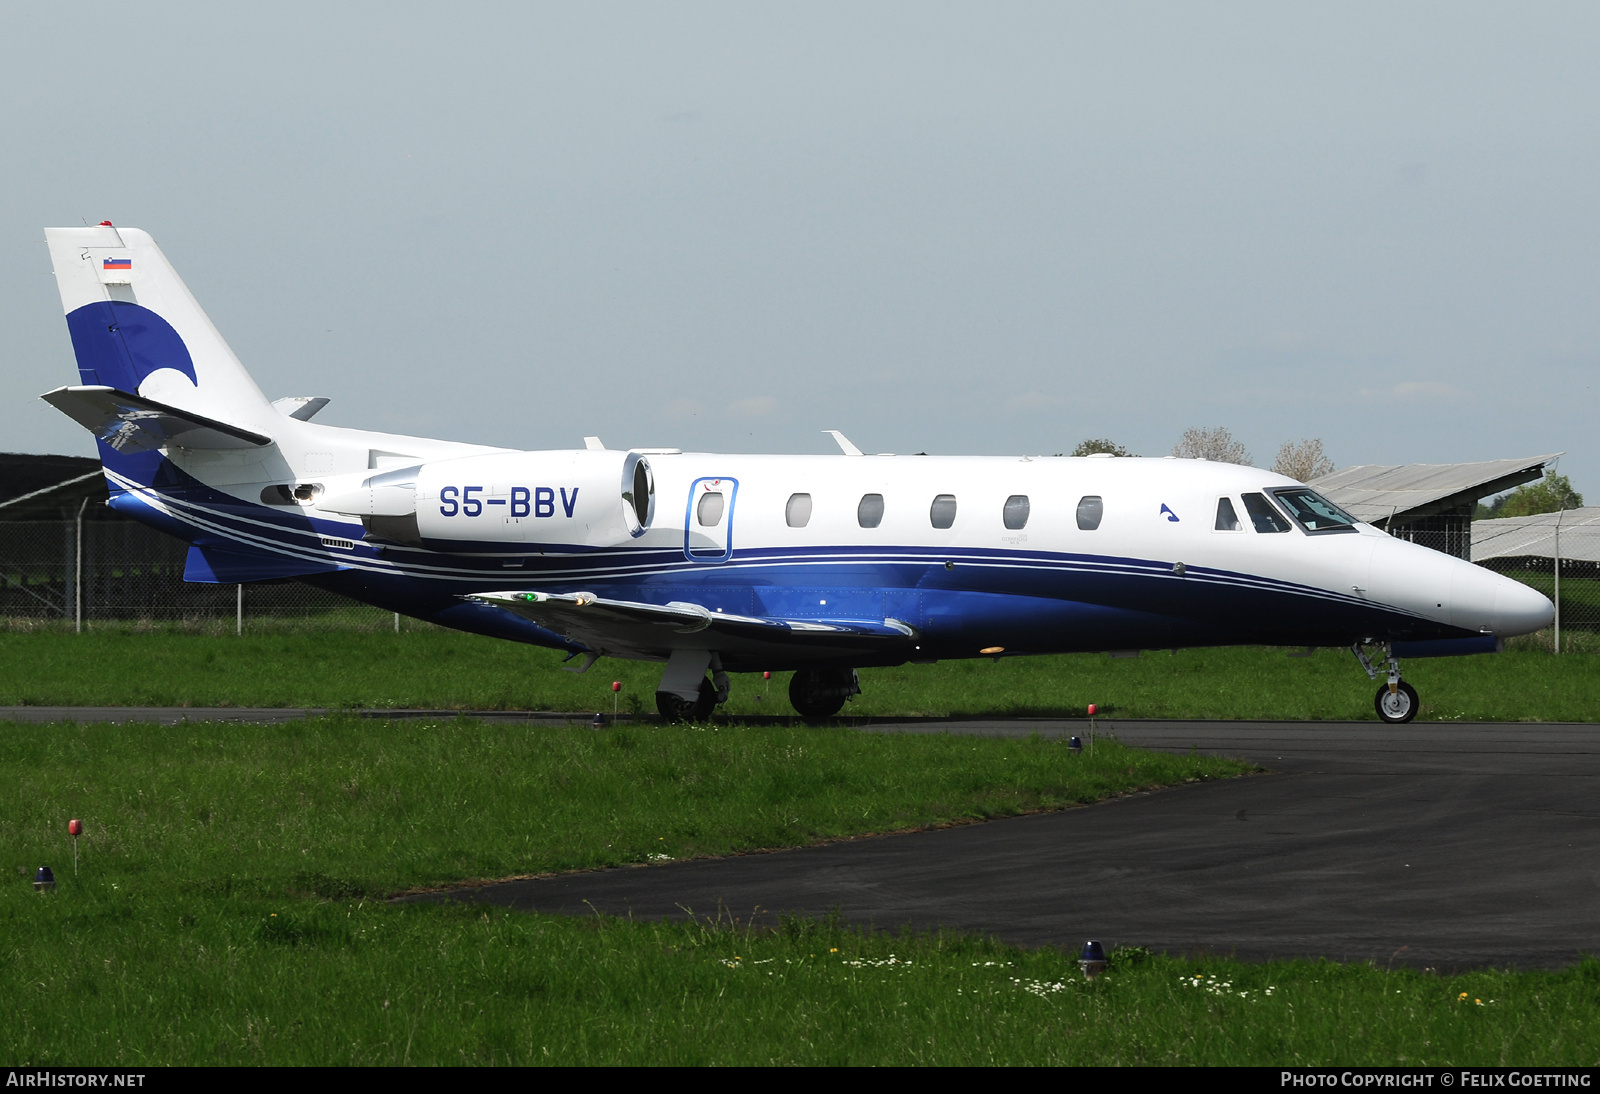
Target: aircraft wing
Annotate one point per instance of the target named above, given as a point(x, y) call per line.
point(623, 627)
point(132, 423)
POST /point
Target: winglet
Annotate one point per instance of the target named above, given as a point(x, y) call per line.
point(844, 443)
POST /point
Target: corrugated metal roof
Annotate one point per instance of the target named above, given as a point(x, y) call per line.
point(1371, 492)
point(1514, 537)
point(39, 487)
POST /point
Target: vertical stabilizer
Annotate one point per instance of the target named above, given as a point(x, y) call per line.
point(136, 328)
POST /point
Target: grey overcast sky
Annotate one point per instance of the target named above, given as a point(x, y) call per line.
point(970, 228)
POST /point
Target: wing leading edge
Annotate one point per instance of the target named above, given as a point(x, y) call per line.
point(630, 629)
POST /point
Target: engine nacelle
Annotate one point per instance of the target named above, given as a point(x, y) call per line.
point(551, 500)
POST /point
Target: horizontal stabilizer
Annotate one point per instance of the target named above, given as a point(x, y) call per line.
point(220, 566)
point(627, 627)
point(132, 423)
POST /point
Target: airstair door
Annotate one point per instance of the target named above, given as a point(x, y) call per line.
point(708, 520)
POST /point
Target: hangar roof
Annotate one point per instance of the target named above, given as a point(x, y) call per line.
point(1374, 492)
point(39, 487)
point(1514, 537)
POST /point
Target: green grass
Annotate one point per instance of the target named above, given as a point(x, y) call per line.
point(438, 669)
point(230, 905)
point(344, 806)
point(230, 911)
point(108, 976)
point(231, 908)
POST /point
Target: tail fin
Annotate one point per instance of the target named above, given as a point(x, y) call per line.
point(137, 329)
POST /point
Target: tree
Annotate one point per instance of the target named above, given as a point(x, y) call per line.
point(1550, 494)
point(1303, 460)
point(1210, 444)
point(1095, 445)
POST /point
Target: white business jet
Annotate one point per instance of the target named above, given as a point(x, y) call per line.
point(735, 563)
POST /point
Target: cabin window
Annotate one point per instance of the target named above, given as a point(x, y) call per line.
point(1314, 512)
point(869, 514)
point(942, 514)
point(1090, 510)
point(798, 512)
point(708, 511)
point(1227, 519)
point(1263, 515)
point(1015, 513)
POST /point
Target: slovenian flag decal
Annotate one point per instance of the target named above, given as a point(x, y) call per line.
point(118, 264)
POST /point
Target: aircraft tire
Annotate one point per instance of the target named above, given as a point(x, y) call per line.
point(818, 695)
point(1398, 708)
point(675, 708)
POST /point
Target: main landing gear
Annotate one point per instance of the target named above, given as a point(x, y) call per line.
point(675, 708)
point(817, 693)
point(1396, 701)
point(685, 695)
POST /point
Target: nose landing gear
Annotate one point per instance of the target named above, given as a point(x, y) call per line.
point(1396, 701)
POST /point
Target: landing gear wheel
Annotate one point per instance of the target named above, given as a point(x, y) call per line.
point(675, 708)
point(1399, 707)
point(817, 694)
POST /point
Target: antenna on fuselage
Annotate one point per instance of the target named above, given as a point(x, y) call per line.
point(844, 443)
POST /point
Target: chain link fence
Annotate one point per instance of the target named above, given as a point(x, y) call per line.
point(1558, 554)
point(74, 574)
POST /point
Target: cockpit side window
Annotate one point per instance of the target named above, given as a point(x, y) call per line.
point(1227, 519)
point(1313, 512)
point(1263, 515)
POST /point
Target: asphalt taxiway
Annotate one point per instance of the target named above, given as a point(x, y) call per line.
point(1437, 844)
point(1443, 845)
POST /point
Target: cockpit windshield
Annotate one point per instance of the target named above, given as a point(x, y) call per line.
point(1312, 511)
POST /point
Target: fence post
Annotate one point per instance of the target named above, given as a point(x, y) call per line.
point(77, 584)
point(68, 597)
point(1559, 515)
point(238, 622)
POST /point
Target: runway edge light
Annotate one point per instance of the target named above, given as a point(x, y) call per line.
point(1093, 959)
point(45, 880)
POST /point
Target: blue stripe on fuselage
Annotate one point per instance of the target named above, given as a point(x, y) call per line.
point(1029, 601)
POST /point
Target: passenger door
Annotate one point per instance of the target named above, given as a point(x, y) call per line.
point(708, 520)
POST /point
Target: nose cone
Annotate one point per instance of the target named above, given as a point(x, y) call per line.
point(1490, 603)
point(1519, 609)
